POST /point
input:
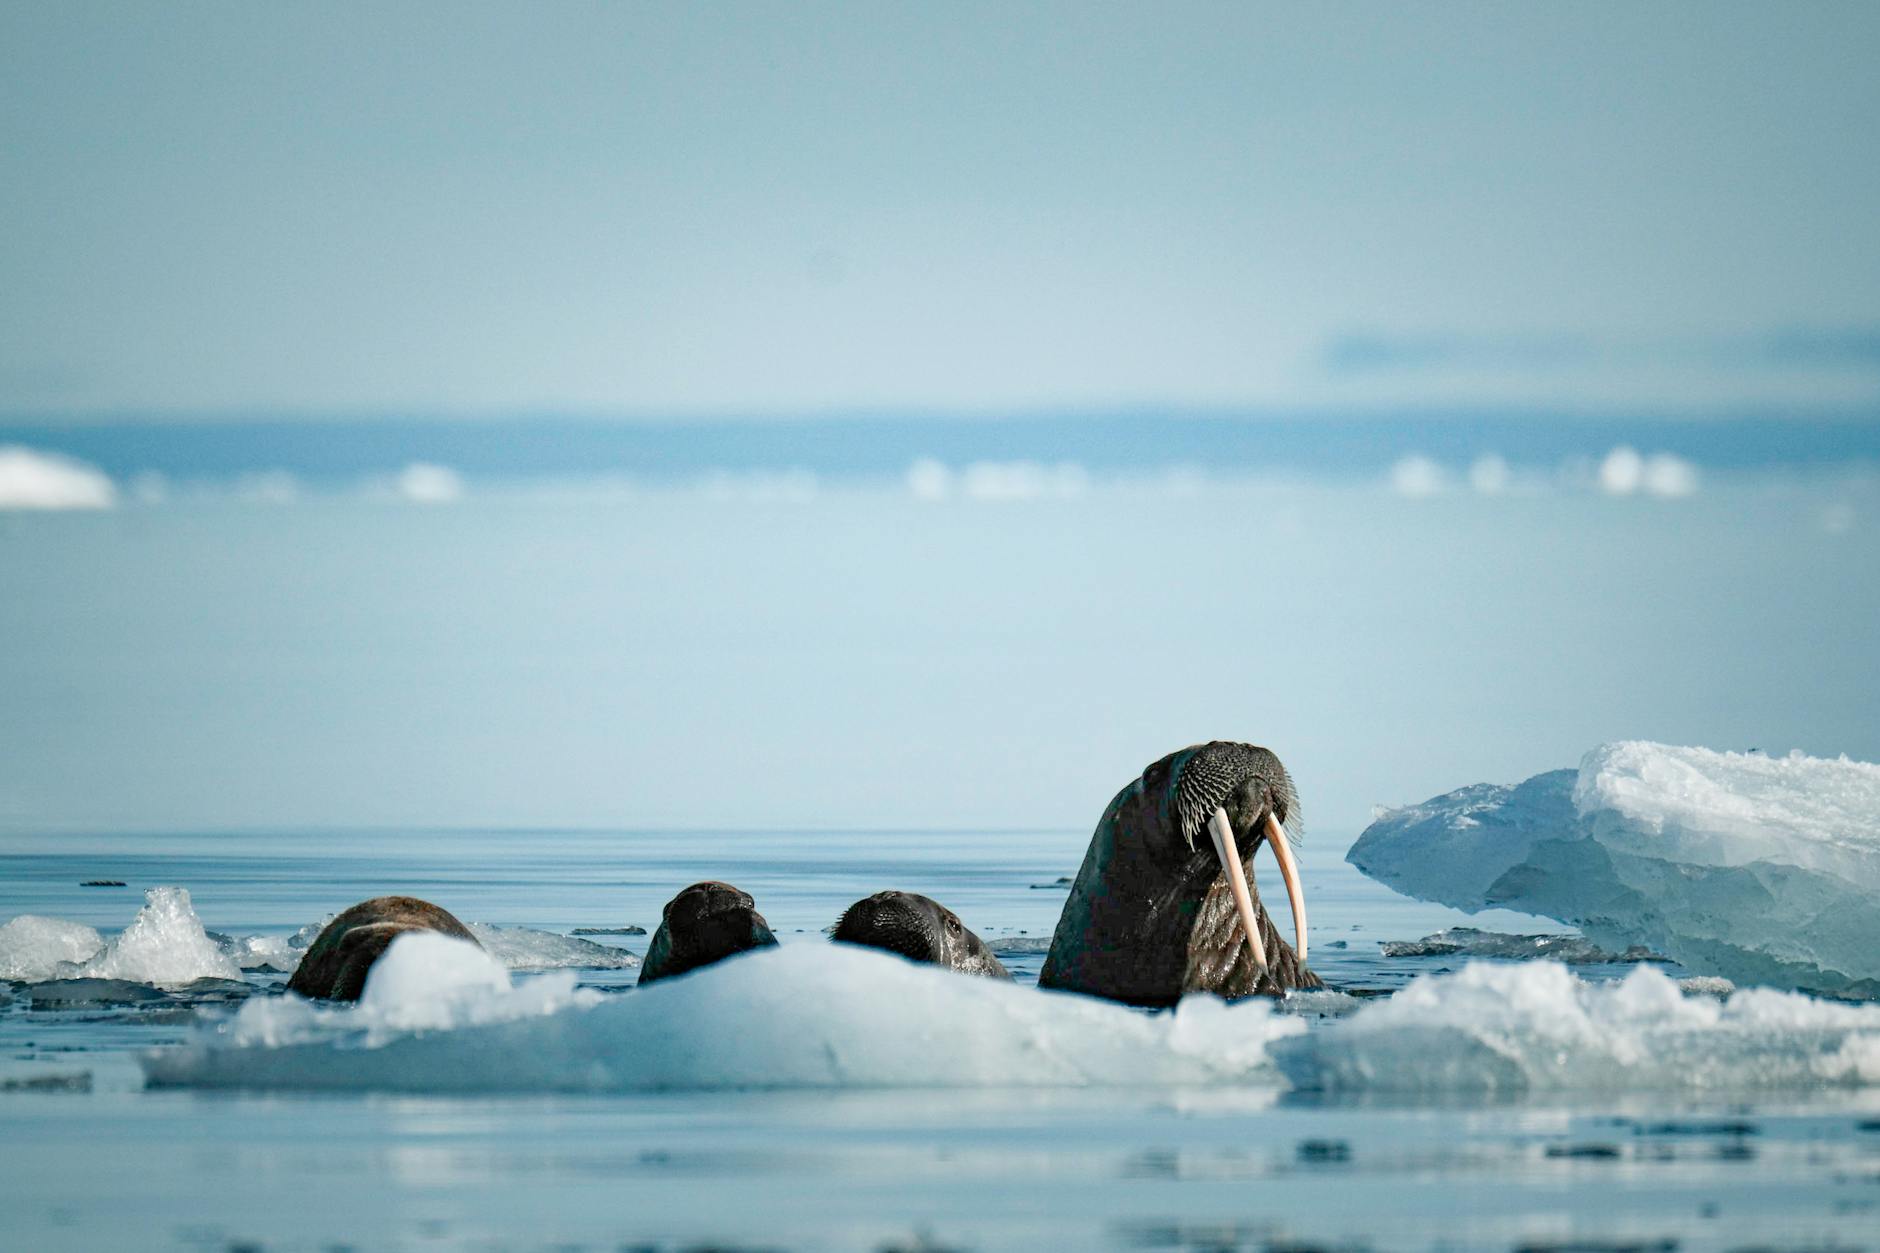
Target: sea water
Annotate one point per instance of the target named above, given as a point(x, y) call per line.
point(90, 1157)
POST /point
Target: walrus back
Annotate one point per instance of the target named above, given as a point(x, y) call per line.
point(340, 957)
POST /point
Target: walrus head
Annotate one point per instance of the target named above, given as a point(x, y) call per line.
point(335, 965)
point(920, 929)
point(706, 922)
point(1165, 902)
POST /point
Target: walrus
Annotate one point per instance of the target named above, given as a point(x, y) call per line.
point(335, 965)
point(1165, 902)
point(919, 928)
point(706, 922)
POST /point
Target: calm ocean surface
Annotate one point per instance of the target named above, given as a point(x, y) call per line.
point(101, 1163)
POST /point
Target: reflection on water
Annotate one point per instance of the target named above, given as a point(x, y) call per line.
point(117, 1166)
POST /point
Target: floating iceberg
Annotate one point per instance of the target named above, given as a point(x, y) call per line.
point(439, 1016)
point(1764, 870)
point(33, 949)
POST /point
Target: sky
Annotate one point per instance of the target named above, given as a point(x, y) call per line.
point(920, 416)
point(672, 210)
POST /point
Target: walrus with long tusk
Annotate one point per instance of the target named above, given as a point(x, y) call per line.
point(705, 923)
point(1165, 902)
point(920, 929)
point(335, 965)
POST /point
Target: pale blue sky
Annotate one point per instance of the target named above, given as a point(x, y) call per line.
point(787, 208)
point(942, 211)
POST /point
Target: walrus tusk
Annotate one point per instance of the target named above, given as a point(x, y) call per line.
point(1223, 834)
point(1289, 871)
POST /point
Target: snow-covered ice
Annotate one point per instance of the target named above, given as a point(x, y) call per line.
point(799, 1016)
point(164, 945)
point(1765, 870)
point(1499, 1029)
point(33, 949)
point(438, 1016)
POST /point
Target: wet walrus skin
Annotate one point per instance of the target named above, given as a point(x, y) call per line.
point(336, 963)
point(705, 923)
point(1151, 915)
point(919, 928)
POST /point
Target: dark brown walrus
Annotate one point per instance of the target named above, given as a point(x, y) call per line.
point(920, 928)
point(707, 922)
point(1165, 903)
point(336, 963)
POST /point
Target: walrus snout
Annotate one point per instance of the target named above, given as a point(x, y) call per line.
point(1241, 795)
point(1165, 902)
point(920, 929)
point(705, 923)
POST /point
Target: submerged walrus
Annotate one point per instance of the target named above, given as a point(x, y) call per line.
point(1165, 902)
point(335, 966)
point(919, 928)
point(706, 922)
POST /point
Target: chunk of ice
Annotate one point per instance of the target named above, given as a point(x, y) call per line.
point(260, 952)
point(164, 945)
point(32, 949)
point(440, 1017)
point(798, 1016)
point(1534, 1026)
point(423, 982)
point(1760, 869)
point(521, 948)
point(1575, 950)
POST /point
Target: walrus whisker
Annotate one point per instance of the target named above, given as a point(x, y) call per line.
point(1289, 871)
point(1223, 833)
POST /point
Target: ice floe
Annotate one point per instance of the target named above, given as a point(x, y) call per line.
point(522, 948)
point(1495, 1029)
point(798, 1016)
point(1763, 870)
point(1575, 950)
point(277, 953)
point(438, 1016)
point(33, 949)
point(165, 945)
